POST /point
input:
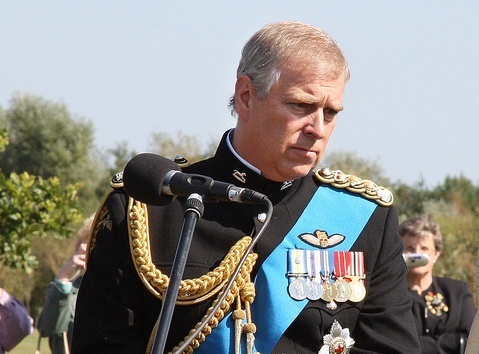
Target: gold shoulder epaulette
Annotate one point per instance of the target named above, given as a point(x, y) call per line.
point(117, 181)
point(352, 183)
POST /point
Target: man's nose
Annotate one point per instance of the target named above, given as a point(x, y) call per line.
point(315, 125)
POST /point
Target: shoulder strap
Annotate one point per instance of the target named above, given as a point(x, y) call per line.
point(100, 218)
point(354, 184)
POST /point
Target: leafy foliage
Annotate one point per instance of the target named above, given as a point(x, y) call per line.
point(46, 140)
point(31, 206)
point(351, 163)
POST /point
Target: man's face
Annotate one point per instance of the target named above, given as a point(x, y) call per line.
point(287, 132)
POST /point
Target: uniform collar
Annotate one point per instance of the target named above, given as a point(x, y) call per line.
point(235, 170)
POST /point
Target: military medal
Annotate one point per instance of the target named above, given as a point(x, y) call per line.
point(329, 288)
point(357, 276)
point(298, 289)
point(342, 286)
point(297, 273)
point(329, 291)
point(315, 290)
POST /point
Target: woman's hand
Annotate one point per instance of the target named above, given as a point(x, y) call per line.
point(74, 266)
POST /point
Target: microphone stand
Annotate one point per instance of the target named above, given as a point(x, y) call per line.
point(193, 211)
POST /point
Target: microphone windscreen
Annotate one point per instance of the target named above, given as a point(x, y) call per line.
point(144, 175)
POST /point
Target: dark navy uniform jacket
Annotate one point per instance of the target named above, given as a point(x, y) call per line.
point(115, 312)
point(441, 332)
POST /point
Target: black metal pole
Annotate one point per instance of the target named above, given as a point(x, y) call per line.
point(193, 211)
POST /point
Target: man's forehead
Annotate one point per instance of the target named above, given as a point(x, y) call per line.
point(316, 94)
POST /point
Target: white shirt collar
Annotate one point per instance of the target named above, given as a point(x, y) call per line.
point(246, 163)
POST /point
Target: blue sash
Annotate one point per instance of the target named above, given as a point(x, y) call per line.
point(273, 310)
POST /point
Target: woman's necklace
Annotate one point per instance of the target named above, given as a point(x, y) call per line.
point(435, 303)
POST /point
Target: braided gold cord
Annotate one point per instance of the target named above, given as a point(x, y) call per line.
point(191, 291)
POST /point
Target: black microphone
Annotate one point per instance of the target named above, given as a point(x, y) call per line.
point(155, 180)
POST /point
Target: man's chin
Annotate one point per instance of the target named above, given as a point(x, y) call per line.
point(300, 171)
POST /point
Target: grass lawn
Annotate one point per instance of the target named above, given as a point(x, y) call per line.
point(29, 344)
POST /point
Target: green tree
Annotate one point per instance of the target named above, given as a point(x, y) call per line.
point(459, 191)
point(185, 145)
point(32, 206)
point(409, 200)
point(351, 163)
point(47, 141)
point(120, 155)
point(458, 259)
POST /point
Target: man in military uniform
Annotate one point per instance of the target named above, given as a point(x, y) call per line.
point(328, 231)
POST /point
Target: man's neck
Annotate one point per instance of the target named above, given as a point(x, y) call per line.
point(230, 146)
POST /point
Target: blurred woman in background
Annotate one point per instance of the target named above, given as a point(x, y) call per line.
point(443, 307)
point(56, 319)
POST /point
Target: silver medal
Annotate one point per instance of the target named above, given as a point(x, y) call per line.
point(298, 289)
point(315, 290)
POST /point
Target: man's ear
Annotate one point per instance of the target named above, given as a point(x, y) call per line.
point(243, 94)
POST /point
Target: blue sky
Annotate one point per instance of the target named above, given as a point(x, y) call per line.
point(134, 68)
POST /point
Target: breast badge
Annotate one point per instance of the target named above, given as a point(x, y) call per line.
point(337, 341)
point(320, 239)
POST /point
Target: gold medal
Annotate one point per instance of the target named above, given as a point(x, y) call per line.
point(355, 261)
point(342, 286)
point(343, 290)
point(358, 291)
point(329, 291)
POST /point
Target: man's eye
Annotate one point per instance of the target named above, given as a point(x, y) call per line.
point(303, 105)
point(330, 114)
point(304, 108)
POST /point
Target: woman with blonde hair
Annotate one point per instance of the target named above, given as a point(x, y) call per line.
point(56, 319)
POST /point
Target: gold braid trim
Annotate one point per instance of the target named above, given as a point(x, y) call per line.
point(99, 221)
point(191, 291)
point(352, 183)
